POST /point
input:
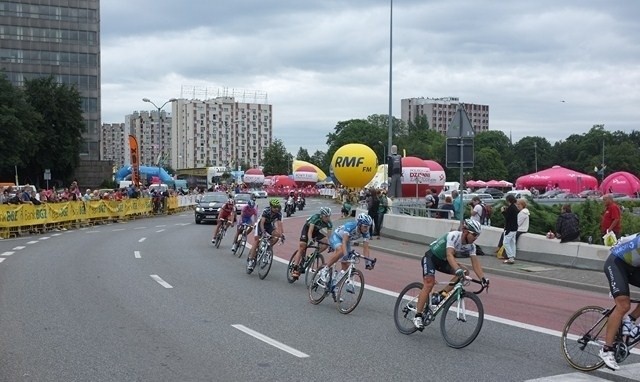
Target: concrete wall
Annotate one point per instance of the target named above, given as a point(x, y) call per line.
point(531, 247)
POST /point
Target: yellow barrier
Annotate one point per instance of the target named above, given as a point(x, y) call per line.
point(15, 218)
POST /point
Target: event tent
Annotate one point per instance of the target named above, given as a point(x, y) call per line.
point(622, 182)
point(557, 176)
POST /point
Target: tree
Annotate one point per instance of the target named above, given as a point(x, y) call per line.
point(303, 155)
point(276, 159)
point(488, 165)
point(18, 133)
point(61, 127)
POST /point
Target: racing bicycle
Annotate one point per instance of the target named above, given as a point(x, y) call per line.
point(309, 264)
point(346, 289)
point(242, 242)
point(583, 337)
point(462, 311)
point(221, 232)
point(264, 255)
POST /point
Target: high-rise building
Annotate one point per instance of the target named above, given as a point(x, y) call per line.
point(440, 111)
point(59, 38)
point(153, 132)
point(114, 144)
point(220, 132)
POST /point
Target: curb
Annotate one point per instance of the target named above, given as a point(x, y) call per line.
point(507, 273)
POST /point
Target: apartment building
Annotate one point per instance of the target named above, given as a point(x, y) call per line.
point(39, 38)
point(440, 111)
point(220, 132)
point(114, 144)
point(153, 132)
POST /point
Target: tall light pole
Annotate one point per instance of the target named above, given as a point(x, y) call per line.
point(159, 108)
point(535, 153)
point(390, 72)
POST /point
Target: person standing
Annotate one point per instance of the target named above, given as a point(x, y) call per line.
point(382, 209)
point(611, 218)
point(510, 214)
point(373, 204)
point(457, 204)
point(523, 217)
point(394, 173)
point(476, 209)
point(567, 225)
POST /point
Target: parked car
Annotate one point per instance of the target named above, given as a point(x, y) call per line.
point(566, 195)
point(483, 197)
point(261, 194)
point(519, 194)
point(241, 200)
point(208, 206)
point(551, 194)
point(494, 192)
point(590, 194)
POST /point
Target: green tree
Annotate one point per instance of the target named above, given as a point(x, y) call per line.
point(318, 159)
point(488, 165)
point(303, 155)
point(18, 129)
point(276, 159)
point(61, 127)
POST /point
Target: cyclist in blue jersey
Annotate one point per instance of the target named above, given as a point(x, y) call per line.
point(270, 222)
point(317, 228)
point(247, 215)
point(341, 239)
point(622, 268)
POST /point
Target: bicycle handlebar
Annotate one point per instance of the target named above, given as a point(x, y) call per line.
point(369, 262)
point(465, 280)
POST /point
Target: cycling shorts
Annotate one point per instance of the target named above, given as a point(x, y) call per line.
point(317, 235)
point(247, 220)
point(335, 242)
point(431, 264)
point(268, 228)
point(620, 275)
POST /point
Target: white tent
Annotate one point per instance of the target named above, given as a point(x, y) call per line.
point(380, 178)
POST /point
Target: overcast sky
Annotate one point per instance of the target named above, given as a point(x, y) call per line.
point(325, 61)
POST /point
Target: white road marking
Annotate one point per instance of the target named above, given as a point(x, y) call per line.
point(2, 259)
point(9, 253)
point(160, 226)
point(144, 238)
point(140, 227)
point(629, 372)
point(271, 341)
point(93, 231)
point(44, 238)
point(19, 248)
point(161, 281)
point(160, 230)
point(32, 242)
point(136, 254)
point(117, 229)
point(56, 234)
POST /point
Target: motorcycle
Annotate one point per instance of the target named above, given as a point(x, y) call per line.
point(300, 203)
point(289, 207)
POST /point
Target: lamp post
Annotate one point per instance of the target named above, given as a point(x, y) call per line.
point(384, 155)
point(390, 71)
point(159, 108)
point(535, 153)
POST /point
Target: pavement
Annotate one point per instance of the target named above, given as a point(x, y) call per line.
point(524, 270)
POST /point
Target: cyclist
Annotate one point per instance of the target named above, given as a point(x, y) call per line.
point(441, 257)
point(271, 223)
point(316, 228)
point(622, 268)
point(228, 212)
point(341, 239)
point(246, 219)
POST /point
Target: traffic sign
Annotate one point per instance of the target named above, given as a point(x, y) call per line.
point(47, 174)
point(460, 136)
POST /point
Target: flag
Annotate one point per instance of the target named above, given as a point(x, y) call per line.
point(135, 160)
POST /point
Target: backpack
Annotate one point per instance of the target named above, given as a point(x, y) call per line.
point(486, 214)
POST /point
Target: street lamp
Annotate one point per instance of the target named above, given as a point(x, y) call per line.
point(159, 123)
point(535, 153)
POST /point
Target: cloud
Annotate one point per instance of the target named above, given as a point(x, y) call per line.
point(327, 61)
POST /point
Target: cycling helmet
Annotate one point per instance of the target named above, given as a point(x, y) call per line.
point(325, 211)
point(364, 219)
point(231, 201)
point(251, 203)
point(274, 203)
point(472, 226)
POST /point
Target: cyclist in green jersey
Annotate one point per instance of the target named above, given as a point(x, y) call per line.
point(441, 257)
point(317, 228)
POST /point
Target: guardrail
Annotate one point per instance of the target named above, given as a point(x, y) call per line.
point(16, 219)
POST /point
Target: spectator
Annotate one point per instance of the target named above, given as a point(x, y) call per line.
point(457, 204)
point(382, 209)
point(373, 204)
point(567, 225)
point(510, 214)
point(448, 206)
point(430, 202)
point(611, 218)
point(523, 218)
point(476, 209)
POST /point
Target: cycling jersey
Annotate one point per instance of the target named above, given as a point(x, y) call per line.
point(226, 210)
point(318, 223)
point(453, 240)
point(626, 249)
point(351, 228)
point(320, 228)
point(270, 217)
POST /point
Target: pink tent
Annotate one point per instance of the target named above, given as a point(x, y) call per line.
point(493, 183)
point(622, 182)
point(564, 178)
point(283, 181)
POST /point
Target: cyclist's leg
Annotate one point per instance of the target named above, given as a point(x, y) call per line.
point(323, 242)
point(275, 235)
point(617, 273)
point(428, 281)
point(302, 248)
point(254, 247)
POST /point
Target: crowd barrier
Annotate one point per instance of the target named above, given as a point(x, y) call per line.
point(16, 219)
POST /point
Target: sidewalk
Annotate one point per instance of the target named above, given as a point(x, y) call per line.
point(525, 270)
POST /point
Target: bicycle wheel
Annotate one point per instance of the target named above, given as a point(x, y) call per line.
point(290, 278)
point(405, 308)
point(462, 320)
point(583, 337)
point(241, 244)
point(317, 292)
point(349, 291)
point(264, 263)
point(315, 265)
point(219, 238)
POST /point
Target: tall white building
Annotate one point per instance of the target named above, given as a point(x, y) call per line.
point(440, 111)
point(114, 143)
point(220, 132)
point(153, 132)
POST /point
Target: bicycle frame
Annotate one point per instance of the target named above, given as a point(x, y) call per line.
point(354, 258)
point(457, 292)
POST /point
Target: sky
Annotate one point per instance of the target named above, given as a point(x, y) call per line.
point(546, 68)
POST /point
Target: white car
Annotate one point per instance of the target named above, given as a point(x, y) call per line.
point(261, 194)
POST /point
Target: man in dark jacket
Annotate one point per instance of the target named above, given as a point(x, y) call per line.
point(510, 228)
point(567, 225)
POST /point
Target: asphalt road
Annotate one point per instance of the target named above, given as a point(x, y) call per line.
point(152, 299)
